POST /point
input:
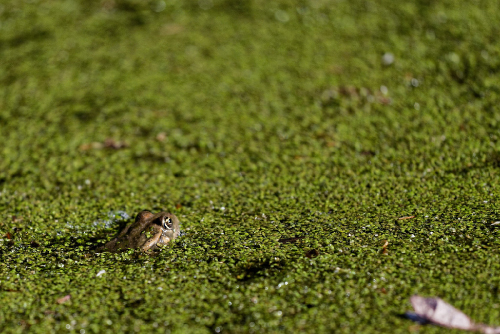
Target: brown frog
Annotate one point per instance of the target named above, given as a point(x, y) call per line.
point(147, 232)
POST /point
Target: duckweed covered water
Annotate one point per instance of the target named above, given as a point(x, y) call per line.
point(288, 137)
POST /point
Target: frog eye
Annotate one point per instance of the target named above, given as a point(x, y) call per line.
point(166, 223)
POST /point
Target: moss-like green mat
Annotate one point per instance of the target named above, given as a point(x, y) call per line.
point(288, 137)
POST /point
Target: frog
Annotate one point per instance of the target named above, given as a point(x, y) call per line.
point(148, 232)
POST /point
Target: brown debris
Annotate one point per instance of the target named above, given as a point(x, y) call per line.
point(24, 324)
point(348, 91)
point(384, 247)
point(289, 240)
point(312, 253)
point(384, 100)
point(93, 146)
point(108, 143)
point(367, 153)
point(17, 219)
point(161, 136)
point(408, 217)
point(64, 299)
point(111, 143)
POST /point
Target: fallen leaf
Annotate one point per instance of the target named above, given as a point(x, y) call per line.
point(8, 236)
point(64, 299)
point(178, 206)
point(438, 312)
point(409, 217)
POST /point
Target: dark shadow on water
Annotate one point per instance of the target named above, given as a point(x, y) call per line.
point(25, 37)
point(266, 267)
point(413, 317)
point(492, 161)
